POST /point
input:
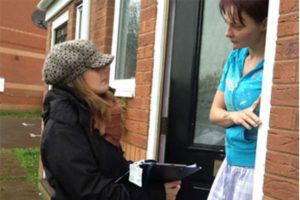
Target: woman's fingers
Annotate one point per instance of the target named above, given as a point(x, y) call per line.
point(172, 189)
point(251, 118)
point(246, 118)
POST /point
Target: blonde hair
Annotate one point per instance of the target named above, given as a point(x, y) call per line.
point(98, 104)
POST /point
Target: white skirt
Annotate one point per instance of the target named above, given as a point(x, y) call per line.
point(232, 183)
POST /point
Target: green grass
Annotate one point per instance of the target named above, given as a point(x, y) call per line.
point(21, 114)
point(29, 159)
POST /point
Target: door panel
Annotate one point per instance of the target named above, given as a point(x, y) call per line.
point(199, 50)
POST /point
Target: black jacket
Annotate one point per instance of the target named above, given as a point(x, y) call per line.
point(78, 162)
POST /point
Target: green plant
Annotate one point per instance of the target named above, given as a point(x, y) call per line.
point(21, 114)
point(29, 159)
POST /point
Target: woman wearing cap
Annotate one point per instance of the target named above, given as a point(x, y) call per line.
point(235, 105)
point(80, 148)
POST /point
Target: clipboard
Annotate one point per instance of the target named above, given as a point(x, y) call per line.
point(149, 172)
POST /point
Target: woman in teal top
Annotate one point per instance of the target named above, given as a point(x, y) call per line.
point(236, 102)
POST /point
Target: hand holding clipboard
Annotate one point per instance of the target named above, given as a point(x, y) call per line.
point(145, 172)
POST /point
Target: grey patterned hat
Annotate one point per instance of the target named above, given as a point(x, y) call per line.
point(67, 60)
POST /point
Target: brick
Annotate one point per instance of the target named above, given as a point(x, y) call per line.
point(297, 73)
point(142, 28)
point(135, 103)
point(140, 53)
point(287, 6)
point(144, 65)
point(135, 139)
point(110, 11)
point(138, 115)
point(146, 39)
point(287, 48)
point(285, 95)
point(147, 26)
point(139, 103)
point(99, 4)
point(148, 13)
point(13, 67)
point(283, 141)
point(281, 188)
point(149, 52)
point(124, 147)
point(17, 15)
point(32, 42)
point(294, 168)
point(277, 163)
point(142, 78)
point(286, 72)
point(284, 118)
point(139, 154)
point(136, 127)
point(147, 3)
point(143, 90)
point(288, 25)
point(132, 152)
point(267, 198)
point(150, 25)
point(282, 164)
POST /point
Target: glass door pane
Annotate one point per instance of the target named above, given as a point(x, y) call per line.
point(214, 51)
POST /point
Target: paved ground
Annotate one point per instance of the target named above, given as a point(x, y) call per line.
point(23, 133)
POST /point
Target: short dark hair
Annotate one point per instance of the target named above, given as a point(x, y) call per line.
point(256, 9)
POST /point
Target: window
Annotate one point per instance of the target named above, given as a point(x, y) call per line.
point(125, 39)
point(60, 33)
point(83, 10)
point(59, 29)
point(78, 33)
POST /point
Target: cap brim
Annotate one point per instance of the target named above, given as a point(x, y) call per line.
point(101, 60)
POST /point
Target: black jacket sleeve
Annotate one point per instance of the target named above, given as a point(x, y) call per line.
point(68, 157)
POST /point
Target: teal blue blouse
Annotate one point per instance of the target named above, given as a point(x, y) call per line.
point(239, 93)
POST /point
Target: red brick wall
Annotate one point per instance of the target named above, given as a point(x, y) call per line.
point(22, 51)
point(282, 164)
point(101, 27)
point(138, 108)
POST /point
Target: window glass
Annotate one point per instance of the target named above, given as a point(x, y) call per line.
point(60, 34)
point(214, 51)
point(59, 29)
point(127, 39)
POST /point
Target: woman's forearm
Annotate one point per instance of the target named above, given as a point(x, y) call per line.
point(221, 117)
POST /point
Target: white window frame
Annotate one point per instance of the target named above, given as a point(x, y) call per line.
point(2, 84)
point(58, 22)
point(83, 11)
point(124, 87)
point(79, 21)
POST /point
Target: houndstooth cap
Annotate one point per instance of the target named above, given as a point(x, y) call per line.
point(67, 60)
